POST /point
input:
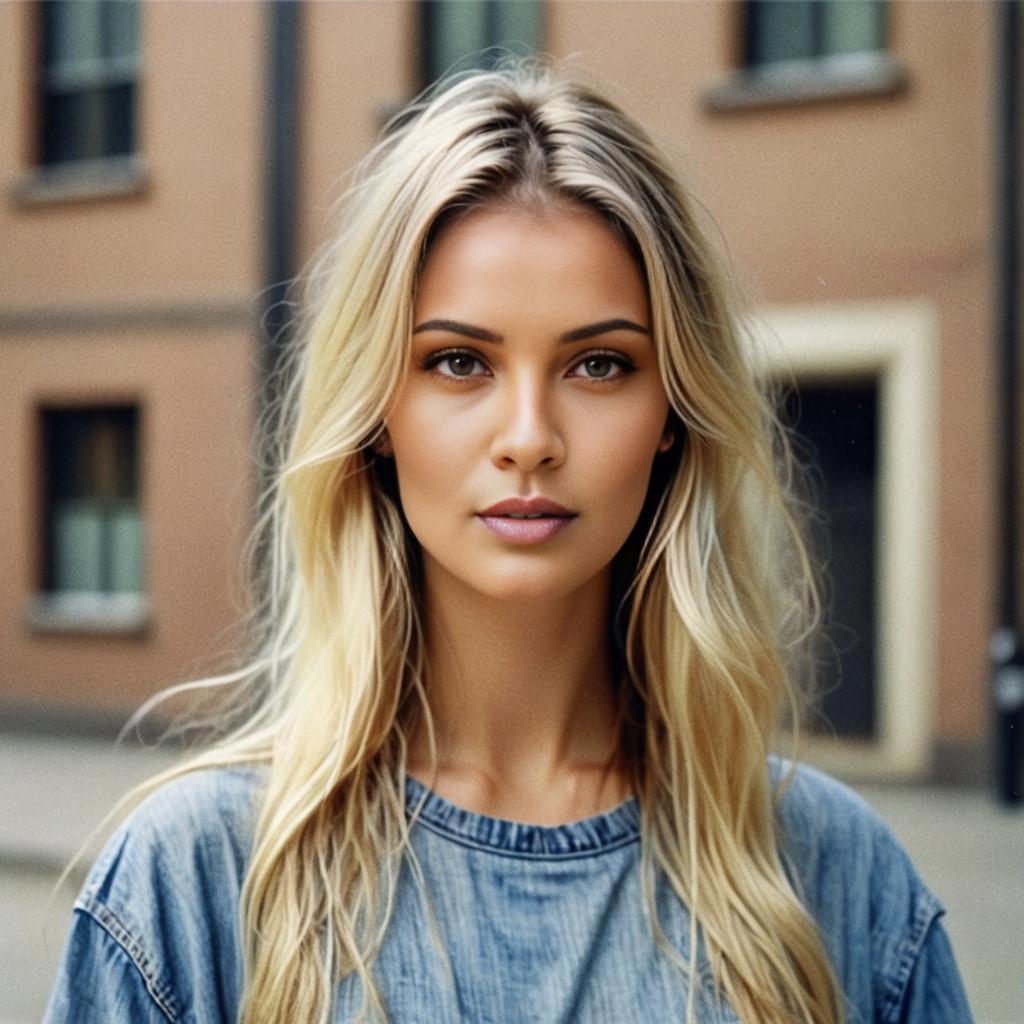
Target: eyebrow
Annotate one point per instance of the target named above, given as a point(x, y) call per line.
point(577, 334)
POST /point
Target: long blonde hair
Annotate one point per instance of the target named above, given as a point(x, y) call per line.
point(712, 589)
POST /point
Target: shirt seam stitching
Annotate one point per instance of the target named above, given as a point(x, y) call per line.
point(158, 990)
point(928, 911)
point(498, 851)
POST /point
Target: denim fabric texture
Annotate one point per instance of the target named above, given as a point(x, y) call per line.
point(540, 923)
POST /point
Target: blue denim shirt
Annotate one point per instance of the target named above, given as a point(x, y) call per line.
point(541, 923)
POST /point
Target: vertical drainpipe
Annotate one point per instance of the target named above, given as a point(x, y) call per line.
point(1006, 649)
point(282, 55)
point(284, 52)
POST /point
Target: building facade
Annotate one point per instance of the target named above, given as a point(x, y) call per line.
point(841, 151)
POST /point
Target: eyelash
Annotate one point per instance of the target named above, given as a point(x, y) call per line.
point(625, 365)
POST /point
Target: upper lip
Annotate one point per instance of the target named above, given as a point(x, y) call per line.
point(526, 507)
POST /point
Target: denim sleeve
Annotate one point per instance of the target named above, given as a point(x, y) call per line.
point(156, 935)
point(935, 993)
point(880, 923)
point(101, 981)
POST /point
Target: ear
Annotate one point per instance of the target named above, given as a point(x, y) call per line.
point(667, 440)
point(382, 446)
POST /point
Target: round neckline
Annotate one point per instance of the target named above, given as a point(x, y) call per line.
point(598, 833)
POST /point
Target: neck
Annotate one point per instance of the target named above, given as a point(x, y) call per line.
point(521, 694)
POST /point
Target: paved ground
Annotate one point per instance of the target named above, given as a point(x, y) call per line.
point(971, 854)
point(52, 793)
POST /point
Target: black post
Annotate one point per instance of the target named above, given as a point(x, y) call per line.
point(1006, 649)
point(282, 172)
point(280, 215)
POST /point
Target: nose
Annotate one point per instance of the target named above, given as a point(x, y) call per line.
point(526, 434)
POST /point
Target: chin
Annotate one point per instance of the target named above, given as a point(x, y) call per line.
point(529, 584)
point(516, 577)
point(518, 591)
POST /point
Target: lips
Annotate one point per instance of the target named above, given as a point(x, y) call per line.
point(526, 520)
point(528, 507)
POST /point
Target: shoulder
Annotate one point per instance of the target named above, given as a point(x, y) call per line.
point(164, 895)
point(836, 844)
point(818, 815)
point(858, 883)
point(188, 824)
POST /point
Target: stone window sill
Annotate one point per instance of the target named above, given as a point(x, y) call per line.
point(796, 83)
point(87, 613)
point(111, 178)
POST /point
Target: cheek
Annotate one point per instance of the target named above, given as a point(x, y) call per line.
point(626, 472)
point(431, 453)
point(622, 448)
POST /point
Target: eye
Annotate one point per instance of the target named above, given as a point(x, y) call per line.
point(454, 363)
point(603, 366)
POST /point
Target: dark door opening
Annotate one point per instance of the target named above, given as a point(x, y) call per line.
point(837, 422)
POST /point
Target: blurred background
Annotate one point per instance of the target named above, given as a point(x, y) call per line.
point(168, 167)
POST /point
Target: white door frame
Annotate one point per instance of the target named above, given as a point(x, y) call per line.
point(894, 342)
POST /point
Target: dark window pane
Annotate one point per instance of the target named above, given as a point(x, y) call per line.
point(838, 422)
point(119, 134)
point(517, 26)
point(58, 142)
point(785, 30)
point(93, 524)
point(453, 30)
point(72, 33)
point(780, 31)
point(463, 34)
point(120, 29)
point(75, 126)
point(89, 67)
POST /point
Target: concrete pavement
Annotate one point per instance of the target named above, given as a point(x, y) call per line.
point(54, 792)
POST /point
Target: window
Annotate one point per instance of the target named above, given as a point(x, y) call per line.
point(88, 83)
point(797, 30)
point(93, 564)
point(457, 34)
point(808, 51)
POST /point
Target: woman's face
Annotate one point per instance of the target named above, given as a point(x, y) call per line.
point(532, 389)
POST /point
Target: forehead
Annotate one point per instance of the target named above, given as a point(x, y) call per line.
point(567, 259)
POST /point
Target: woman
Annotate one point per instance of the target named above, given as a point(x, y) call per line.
point(535, 590)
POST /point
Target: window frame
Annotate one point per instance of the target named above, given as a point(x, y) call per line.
point(105, 611)
point(806, 81)
point(84, 178)
point(895, 341)
point(820, 12)
point(81, 76)
point(492, 17)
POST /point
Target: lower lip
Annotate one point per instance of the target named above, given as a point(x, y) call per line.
point(525, 531)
